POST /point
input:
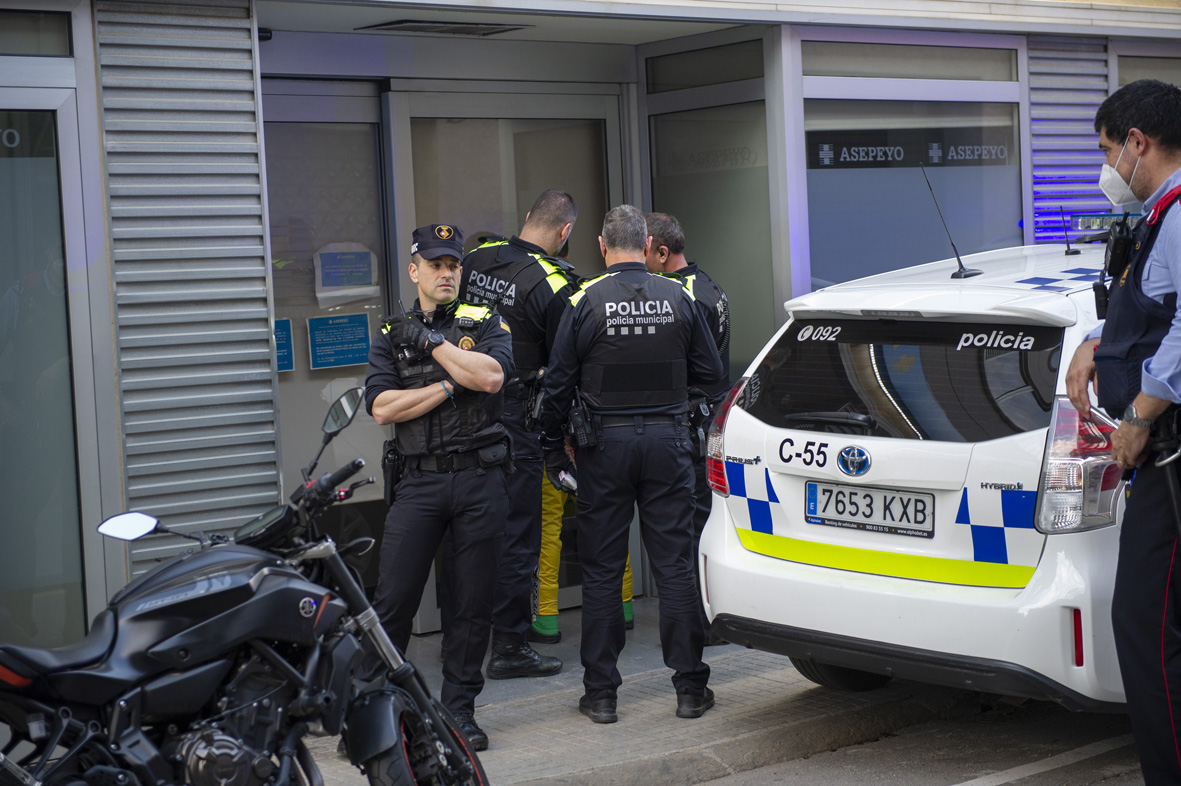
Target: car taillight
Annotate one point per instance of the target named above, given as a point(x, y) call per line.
point(715, 456)
point(1079, 478)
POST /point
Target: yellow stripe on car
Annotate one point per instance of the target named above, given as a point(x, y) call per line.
point(887, 563)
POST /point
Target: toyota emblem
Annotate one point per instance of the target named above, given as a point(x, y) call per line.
point(853, 461)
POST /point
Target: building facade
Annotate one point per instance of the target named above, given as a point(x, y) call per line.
point(205, 205)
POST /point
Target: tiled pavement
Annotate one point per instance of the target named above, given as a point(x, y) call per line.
point(766, 712)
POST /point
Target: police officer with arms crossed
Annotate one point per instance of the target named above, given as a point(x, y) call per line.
point(529, 287)
point(632, 343)
point(1136, 367)
point(437, 373)
point(666, 255)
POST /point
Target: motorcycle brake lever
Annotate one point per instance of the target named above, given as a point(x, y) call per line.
point(360, 483)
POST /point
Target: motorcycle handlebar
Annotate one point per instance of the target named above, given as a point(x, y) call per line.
point(328, 482)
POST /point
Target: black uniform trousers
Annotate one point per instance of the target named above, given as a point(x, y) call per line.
point(703, 500)
point(650, 466)
point(470, 505)
point(1146, 617)
point(512, 610)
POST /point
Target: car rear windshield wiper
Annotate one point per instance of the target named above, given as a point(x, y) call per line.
point(836, 418)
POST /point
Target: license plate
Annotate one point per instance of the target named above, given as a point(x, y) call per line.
point(871, 509)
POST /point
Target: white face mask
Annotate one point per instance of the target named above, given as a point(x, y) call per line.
point(1117, 191)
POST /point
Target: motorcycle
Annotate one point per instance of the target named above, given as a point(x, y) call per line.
point(211, 668)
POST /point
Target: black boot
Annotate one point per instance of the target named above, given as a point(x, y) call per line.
point(512, 659)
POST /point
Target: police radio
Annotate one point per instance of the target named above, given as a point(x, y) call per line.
point(579, 426)
point(1120, 241)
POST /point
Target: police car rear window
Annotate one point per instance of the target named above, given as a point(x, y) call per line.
point(953, 382)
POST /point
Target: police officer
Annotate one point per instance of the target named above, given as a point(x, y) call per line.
point(631, 343)
point(1136, 367)
point(666, 254)
point(437, 373)
point(530, 287)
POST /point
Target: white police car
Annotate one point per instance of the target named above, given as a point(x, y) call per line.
point(902, 488)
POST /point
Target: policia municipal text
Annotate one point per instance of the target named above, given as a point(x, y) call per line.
point(631, 343)
point(437, 373)
point(1136, 367)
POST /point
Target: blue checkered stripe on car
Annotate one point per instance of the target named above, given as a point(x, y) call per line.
point(1063, 281)
point(990, 525)
point(1008, 539)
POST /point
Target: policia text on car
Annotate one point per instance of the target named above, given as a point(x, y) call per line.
point(632, 372)
point(1136, 367)
point(437, 373)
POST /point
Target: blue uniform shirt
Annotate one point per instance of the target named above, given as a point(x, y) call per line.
point(1161, 377)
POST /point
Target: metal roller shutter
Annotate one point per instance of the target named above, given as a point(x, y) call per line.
point(1067, 82)
point(191, 285)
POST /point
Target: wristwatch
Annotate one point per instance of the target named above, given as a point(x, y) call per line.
point(433, 339)
point(1132, 418)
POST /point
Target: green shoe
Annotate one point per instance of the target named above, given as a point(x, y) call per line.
point(629, 616)
point(545, 629)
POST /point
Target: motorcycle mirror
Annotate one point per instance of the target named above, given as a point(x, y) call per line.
point(128, 526)
point(342, 411)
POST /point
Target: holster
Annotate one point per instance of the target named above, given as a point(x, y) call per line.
point(699, 416)
point(393, 466)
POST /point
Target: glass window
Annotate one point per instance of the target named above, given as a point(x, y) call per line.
point(917, 380)
point(839, 58)
point(483, 175)
point(1166, 69)
point(713, 66)
point(869, 208)
point(31, 33)
point(328, 273)
point(40, 525)
point(709, 169)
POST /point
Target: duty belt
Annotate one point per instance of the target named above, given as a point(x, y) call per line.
point(449, 462)
point(606, 421)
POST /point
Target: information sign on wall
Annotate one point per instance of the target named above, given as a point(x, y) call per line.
point(340, 340)
point(283, 357)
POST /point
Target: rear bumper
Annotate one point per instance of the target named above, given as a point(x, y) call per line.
point(1018, 642)
point(907, 663)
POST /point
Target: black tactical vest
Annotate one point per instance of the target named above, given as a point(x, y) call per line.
point(504, 274)
point(474, 421)
point(1135, 324)
point(707, 293)
point(638, 357)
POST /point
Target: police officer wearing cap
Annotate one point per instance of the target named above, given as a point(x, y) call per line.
point(666, 254)
point(631, 343)
point(529, 286)
point(437, 373)
point(1136, 367)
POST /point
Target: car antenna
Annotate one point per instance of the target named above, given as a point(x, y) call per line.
point(1066, 231)
point(963, 272)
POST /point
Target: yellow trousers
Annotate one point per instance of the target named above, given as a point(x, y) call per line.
point(553, 502)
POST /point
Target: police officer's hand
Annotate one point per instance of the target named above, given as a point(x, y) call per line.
point(1127, 445)
point(1079, 376)
point(408, 332)
point(557, 461)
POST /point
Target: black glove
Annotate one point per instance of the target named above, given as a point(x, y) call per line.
point(559, 469)
point(408, 332)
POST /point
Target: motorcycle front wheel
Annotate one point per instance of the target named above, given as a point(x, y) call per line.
point(414, 762)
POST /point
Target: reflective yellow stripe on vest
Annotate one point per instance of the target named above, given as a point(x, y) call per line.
point(887, 563)
point(553, 274)
point(577, 296)
point(472, 311)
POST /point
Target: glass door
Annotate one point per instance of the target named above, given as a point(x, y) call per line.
point(328, 268)
point(41, 577)
point(478, 160)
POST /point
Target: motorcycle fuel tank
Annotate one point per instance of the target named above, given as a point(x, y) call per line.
point(200, 607)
